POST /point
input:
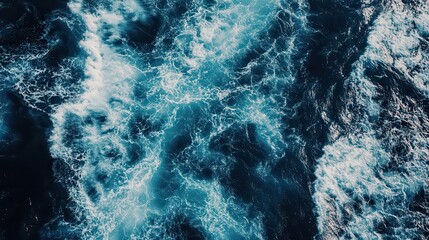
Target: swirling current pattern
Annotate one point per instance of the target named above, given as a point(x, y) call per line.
point(214, 119)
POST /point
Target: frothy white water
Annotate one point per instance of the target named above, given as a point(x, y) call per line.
point(117, 169)
point(108, 89)
point(24, 71)
point(358, 194)
point(398, 40)
point(355, 196)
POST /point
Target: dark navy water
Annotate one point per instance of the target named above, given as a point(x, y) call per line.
point(205, 119)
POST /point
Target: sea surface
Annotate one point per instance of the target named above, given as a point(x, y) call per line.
point(214, 119)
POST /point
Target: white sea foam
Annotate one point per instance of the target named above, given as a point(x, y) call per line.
point(117, 193)
point(397, 38)
point(124, 205)
point(357, 194)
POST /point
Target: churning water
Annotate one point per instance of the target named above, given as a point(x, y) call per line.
point(214, 119)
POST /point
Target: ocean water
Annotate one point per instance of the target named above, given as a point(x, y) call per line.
point(214, 119)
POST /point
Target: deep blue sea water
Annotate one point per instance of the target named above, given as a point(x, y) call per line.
point(214, 119)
